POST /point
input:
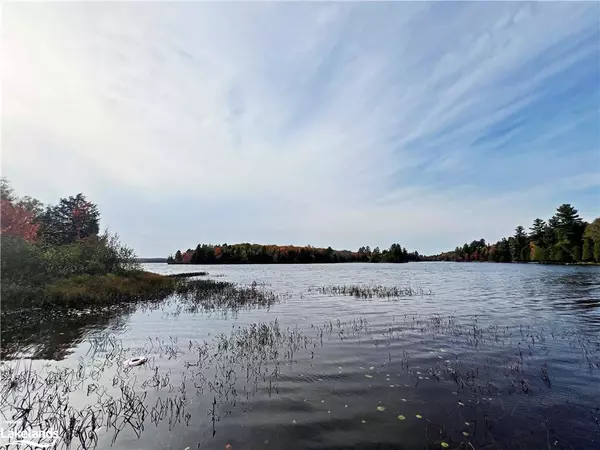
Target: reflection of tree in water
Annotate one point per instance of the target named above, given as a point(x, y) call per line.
point(43, 334)
point(577, 291)
point(581, 291)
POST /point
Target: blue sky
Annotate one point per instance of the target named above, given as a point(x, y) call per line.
point(342, 124)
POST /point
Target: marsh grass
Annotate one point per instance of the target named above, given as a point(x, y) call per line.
point(366, 291)
point(210, 295)
point(102, 290)
point(86, 291)
point(230, 368)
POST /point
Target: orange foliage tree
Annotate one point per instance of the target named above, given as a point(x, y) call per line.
point(17, 221)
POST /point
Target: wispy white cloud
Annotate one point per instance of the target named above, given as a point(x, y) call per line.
point(331, 124)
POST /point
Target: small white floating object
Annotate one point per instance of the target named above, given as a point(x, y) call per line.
point(137, 361)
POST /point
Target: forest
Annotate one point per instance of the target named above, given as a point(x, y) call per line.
point(289, 254)
point(563, 238)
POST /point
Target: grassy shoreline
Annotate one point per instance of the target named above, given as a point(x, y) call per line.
point(83, 291)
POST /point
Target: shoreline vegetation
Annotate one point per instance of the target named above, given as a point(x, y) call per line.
point(564, 239)
point(55, 256)
point(289, 254)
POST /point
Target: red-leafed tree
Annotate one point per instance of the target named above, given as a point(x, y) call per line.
point(185, 258)
point(17, 221)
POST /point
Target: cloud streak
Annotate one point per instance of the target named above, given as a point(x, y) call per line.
point(330, 124)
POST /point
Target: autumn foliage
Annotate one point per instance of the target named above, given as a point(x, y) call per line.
point(288, 254)
point(17, 221)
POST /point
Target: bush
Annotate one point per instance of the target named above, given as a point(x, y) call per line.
point(96, 255)
point(32, 271)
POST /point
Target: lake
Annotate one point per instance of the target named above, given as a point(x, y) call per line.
point(473, 356)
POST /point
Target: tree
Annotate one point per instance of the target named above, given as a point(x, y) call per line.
point(597, 250)
point(538, 230)
point(72, 219)
point(376, 255)
point(592, 230)
point(569, 226)
point(33, 205)
point(537, 252)
point(588, 252)
point(6, 190)
point(518, 244)
point(17, 221)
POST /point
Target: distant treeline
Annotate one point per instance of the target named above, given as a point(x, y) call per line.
point(564, 238)
point(274, 254)
point(151, 260)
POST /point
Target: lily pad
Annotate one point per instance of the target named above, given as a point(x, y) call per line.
point(465, 433)
point(381, 408)
point(418, 416)
point(444, 444)
point(369, 376)
point(401, 417)
point(363, 421)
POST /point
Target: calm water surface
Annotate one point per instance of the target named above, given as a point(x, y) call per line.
point(500, 356)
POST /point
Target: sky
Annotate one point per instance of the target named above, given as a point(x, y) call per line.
point(428, 124)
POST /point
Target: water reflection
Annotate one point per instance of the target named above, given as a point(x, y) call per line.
point(52, 335)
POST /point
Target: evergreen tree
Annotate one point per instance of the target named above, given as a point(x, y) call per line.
point(72, 219)
point(538, 230)
point(518, 244)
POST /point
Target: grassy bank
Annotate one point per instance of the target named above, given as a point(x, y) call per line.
point(104, 290)
point(83, 291)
